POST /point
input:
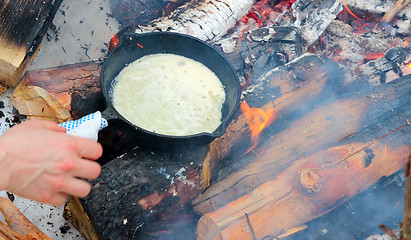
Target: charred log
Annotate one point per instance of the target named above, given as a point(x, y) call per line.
point(137, 193)
point(387, 68)
point(255, 52)
point(24, 25)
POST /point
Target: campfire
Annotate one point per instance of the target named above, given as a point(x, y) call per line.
point(320, 139)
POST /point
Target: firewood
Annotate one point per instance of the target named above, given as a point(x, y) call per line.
point(23, 26)
point(17, 226)
point(259, 168)
point(76, 86)
point(291, 97)
point(307, 189)
point(75, 213)
point(205, 19)
point(398, 6)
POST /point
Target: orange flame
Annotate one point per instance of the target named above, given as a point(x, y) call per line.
point(257, 119)
point(409, 65)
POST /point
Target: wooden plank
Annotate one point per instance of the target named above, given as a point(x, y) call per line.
point(23, 24)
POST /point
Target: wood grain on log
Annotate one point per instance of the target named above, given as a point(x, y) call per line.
point(74, 212)
point(76, 86)
point(307, 189)
point(17, 226)
point(23, 25)
point(307, 186)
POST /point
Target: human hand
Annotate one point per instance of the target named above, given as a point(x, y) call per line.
point(39, 161)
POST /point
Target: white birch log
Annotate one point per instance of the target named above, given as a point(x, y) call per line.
point(206, 19)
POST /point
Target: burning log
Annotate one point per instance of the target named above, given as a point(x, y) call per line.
point(302, 191)
point(297, 86)
point(24, 25)
point(285, 202)
point(205, 19)
point(17, 226)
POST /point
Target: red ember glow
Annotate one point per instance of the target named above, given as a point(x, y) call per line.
point(349, 11)
point(114, 41)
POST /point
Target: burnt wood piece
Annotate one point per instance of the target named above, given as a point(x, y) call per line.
point(23, 25)
point(205, 19)
point(371, 6)
point(312, 17)
point(257, 51)
point(387, 68)
point(307, 188)
point(77, 86)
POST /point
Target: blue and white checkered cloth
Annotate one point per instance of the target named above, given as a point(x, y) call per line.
point(87, 126)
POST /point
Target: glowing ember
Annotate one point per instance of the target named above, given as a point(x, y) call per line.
point(349, 11)
point(409, 65)
point(373, 56)
point(257, 119)
point(114, 41)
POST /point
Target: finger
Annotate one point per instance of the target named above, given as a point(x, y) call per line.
point(87, 148)
point(43, 124)
point(58, 199)
point(76, 187)
point(87, 169)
